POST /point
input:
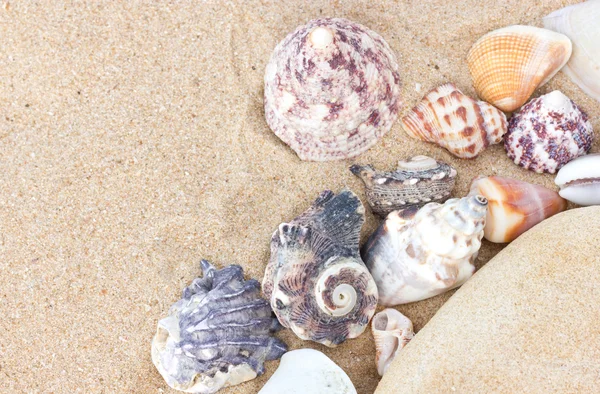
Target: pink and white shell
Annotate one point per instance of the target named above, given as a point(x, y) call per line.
point(332, 89)
point(547, 133)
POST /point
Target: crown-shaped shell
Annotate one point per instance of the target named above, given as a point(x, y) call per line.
point(332, 89)
point(508, 64)
point(456, 122)
point(514, 206)
point(317, 284)
point(391, 331)
point(414, 255)
point(416, 182)
point(547, 133)
point(579, 180)
point(217, 335)
point(579, 22)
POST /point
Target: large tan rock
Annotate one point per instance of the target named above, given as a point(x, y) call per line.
point(528, 321)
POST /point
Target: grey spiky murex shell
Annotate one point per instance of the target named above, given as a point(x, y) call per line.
point(316, 281)
point(416, 182)
point(218, 334)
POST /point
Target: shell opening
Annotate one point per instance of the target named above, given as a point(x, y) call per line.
point(321, 37)
point(380, 321)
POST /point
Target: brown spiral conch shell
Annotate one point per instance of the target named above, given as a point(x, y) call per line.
point(579, 22)
point(547, 133)
point(316, 282)
point(456, 122)
point(418, 254)
point(391, 331)
point(514, 206)
point(416, 182)
point(332, 89)
point(508, 64)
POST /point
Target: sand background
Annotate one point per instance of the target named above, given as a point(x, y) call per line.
point(133, 144)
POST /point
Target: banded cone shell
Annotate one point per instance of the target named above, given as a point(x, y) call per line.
point(580, 22)
point(454, 121)
point(391, 331)
point(514, 206)
point(508, 64)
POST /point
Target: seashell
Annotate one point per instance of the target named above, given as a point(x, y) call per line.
point(332, 89)
point(456, 122)
point(415, 255)
point(508, 64)
point(308, 371)
point(514, 206)
point(579, 180)
point(217, 335)
point(391, 331)
point(416, 182)
point(547, 133)
point(317, 284)
point(579, 22)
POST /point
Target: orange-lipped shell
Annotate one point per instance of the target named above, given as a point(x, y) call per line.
point(514, 206)
point(508, 64)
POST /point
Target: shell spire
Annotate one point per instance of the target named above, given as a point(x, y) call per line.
point(332, 89)
point(508, 64)
point(417, 254)
point(317, 284)
point(217, 335)
point(514, 206)
point(454, 121)
point(416, 182)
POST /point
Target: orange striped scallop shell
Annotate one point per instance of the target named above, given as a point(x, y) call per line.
point(508, 64)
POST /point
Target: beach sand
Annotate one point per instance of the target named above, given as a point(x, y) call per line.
point(133, 144)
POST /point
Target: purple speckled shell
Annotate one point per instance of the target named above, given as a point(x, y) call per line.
point(334, 101)
point(547, 133)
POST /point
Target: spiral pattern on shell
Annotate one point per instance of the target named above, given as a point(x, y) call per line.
point(332, 89)
point(317, 283)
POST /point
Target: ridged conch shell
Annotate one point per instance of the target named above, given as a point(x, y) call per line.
point(414, 255)
point(508, 64)
point(317, 284)
point(579, 181)
point(217, 335)
point(308, 371)
point(391, 331)
point(580, 22)
point(416, 182)
point(332, 89)
point(547, 133)
point(456, 122)
point(514, 206)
